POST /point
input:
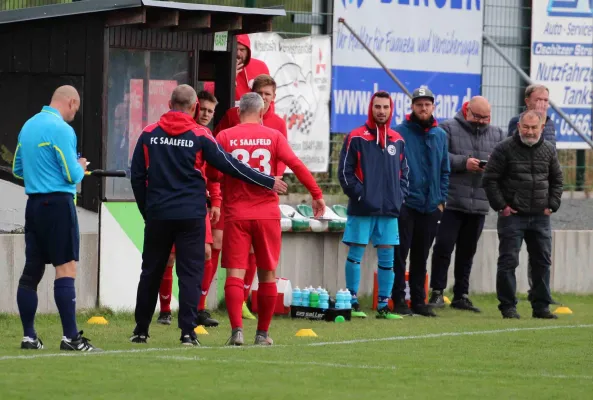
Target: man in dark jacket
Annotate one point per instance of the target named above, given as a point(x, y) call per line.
point(523, 182)
point(170, 191)
point(537, 98)
point(471, 140)
point(428, 157)
point(373, 173)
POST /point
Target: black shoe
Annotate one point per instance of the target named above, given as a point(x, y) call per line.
point(401, 308)
point(206, 320)
point(139, 338)
point(164, 318)
point(189, 340)
point(436, 299)
point(423, 309)
point(79, 343)
point(544, 314)
point(510, 313)
point(31, 344)
point(464, 303)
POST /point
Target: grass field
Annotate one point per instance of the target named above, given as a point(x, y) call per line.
point(456, 356)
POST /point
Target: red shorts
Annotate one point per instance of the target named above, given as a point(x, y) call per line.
point(265, 236)
point(209, 239)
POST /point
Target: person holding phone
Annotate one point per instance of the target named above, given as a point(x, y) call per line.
point(471, 140)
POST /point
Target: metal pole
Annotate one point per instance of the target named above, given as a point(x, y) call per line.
point(523, 75)
point(387, 70)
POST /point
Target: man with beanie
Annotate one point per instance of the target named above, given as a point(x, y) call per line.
point(373, 173)
point(471, 140)
point(428, 157)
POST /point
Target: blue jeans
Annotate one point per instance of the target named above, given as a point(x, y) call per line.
point(537, 232)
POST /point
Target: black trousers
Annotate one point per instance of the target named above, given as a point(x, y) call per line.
point(416, 234)
point(189, 236)
point(461, 231)
point(537, 233)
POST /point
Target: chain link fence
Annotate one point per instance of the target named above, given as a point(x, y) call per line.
point(507, 21)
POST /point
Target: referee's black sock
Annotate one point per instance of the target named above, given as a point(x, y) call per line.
point(27, 301)
point(65, 296)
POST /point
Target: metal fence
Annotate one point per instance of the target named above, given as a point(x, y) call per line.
point(507, 21)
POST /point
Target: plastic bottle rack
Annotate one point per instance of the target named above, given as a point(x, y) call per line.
point(316, 304)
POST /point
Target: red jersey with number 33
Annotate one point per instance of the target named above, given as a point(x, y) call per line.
point(262, 148)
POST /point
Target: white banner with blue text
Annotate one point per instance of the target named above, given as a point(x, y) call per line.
point(562, 59)
point(433, 43)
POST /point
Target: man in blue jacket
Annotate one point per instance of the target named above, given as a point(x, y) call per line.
point(171, 195)
point(428, 158)
point(46, 160)
point(373, 173)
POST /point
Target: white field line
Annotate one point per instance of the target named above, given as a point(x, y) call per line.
point(366, 367)
point(356, 341)
point(272, 362)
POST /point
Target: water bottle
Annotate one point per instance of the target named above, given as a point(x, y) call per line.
point(324, 300)
point(348, 299)
point(340, 299)
point(305, 297)
point(314, 299)
point(296, 297)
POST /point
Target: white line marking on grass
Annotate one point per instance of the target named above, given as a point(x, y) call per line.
point(449, 334)
point(355, 341)
point(272, 362)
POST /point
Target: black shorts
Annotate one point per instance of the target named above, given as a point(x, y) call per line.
point(51, 229)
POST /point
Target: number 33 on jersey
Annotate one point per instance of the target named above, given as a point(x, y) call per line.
point(262, 148)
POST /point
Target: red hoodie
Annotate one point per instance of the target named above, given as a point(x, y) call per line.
point(271, 120)
point(251, 69)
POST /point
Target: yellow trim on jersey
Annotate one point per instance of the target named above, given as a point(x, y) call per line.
point(14, 161)
point(44, 144)
point(52, 113)
point(65, 163)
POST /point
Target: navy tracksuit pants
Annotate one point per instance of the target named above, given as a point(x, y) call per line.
point(189, 236)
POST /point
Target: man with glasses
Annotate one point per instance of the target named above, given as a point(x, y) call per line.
point(471, 139)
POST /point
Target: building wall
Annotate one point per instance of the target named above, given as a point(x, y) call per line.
point(311, 259)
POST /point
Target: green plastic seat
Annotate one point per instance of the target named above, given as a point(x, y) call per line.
point(299, 223)
point(340, 210)
point(305, 210)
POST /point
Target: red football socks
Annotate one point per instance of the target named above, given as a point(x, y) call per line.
point(249, 275)
point(166, 289)
point(215, 257)
point(209, 272)
point(233, 296)
point(267, 293)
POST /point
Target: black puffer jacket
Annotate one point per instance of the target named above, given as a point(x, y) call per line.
point(528, 179)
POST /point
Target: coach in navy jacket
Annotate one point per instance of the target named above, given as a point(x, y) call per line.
point(428, 157)
point(171, 195)
point(373, 173)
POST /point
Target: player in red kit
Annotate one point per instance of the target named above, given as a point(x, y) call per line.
point(252, 216)
point(265, 86)
point(204, 114)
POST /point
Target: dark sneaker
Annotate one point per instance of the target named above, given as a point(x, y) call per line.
point(464, 303)
point(189, 339)
point(206, 320)
point(139, 338)
point(544, 314)
point(236, 338)
point(384, 313)
point(510, 313)
point(164, 318)
point(79, 343)
point(423, 309)
point(31, 344)
point(261, 340)
point(401, 308)
point(436, 299)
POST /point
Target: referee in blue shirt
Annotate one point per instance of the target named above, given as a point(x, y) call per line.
point(47, 161)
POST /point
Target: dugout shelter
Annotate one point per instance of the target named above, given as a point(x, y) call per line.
point(124, 57)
